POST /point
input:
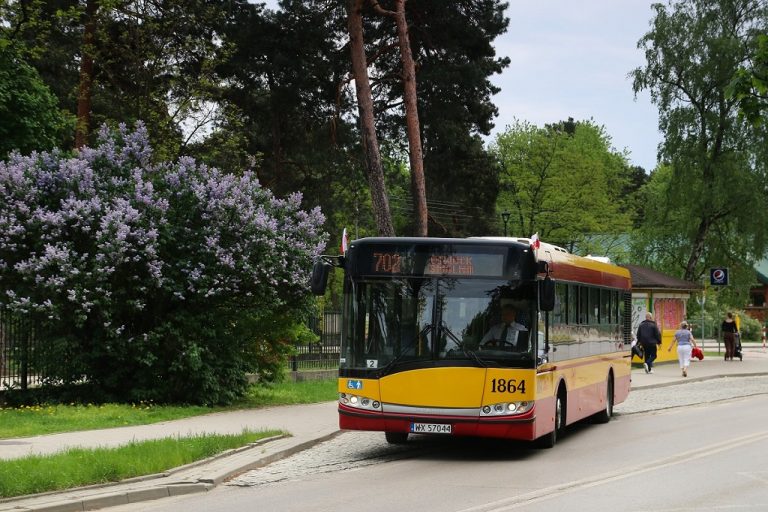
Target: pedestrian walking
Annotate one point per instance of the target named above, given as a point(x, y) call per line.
point(730, 330)
point(685, 343)
point(649, 336)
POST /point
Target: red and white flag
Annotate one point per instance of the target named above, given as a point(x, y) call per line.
point(535, 243)
point(344, 242)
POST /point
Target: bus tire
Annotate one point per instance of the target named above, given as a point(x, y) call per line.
point(396, 437)
point(549, 440)
point(606, 414)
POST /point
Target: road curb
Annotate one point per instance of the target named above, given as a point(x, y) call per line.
point(222, 476)
point(687, 380)
point(117, 498)
point(237, 461)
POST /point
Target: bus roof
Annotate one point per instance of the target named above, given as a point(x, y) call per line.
point(419, 240)
point(563, 266)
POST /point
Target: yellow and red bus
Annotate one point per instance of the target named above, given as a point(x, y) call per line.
point(418, 353)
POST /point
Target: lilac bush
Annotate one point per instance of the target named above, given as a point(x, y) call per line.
point(147, 273)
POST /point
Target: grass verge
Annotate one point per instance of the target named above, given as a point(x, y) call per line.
point(79, 467)
point(285, 393)
point(48, 419)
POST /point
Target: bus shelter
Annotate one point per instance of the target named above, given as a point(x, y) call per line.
point(665, 297)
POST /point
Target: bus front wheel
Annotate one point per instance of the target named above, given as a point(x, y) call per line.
point(549, 440)
point(396, 437)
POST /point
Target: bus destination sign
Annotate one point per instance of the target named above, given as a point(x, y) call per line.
point(437, 264)
point(450, 265)
point(388, 262)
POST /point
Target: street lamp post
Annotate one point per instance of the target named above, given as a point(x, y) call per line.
point(702, 300)
point(505, 217)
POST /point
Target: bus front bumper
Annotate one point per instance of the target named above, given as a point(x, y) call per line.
point(506, 427)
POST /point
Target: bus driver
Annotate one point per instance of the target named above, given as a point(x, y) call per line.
point(507, 333)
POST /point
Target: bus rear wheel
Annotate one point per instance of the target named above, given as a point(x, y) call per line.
point(396, 437)
point(606, 414)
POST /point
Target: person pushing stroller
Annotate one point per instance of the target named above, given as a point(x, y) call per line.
point(730, 330)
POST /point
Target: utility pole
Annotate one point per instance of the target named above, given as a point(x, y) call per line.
point(702, 300)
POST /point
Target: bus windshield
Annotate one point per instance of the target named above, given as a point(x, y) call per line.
point(422, 321)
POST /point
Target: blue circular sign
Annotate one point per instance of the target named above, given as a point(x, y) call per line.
point(718, 276)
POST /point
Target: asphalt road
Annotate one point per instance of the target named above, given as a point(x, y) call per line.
point(691, 448)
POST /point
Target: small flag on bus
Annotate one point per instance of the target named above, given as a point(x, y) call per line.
point(344, 242)
point(535, 243)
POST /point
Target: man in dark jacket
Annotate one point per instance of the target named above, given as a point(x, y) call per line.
point(649, 335)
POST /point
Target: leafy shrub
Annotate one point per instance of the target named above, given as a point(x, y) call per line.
point(749, 328)
point(146, 275)
point(29, 113)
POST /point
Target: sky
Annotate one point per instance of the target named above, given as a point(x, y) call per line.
point(572, 59)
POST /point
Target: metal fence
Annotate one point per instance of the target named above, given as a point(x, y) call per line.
point(324, 354)
point(19, 366)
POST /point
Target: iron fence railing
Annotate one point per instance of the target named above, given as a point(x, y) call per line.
point(324, 354)
point(19, 351)
point(21, 363)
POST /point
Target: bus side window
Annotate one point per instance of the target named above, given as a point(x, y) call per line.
point(583, 305)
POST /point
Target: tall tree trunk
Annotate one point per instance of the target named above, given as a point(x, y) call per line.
point(415, 154)
point(85, 88)
point(697, 248)
point(373, 164)
point(278, 151)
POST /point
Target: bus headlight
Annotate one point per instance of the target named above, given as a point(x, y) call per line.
point(359, 402)
point(506, 408)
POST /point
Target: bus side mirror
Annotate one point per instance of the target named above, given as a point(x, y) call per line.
point(319, 280)
point(547, 294)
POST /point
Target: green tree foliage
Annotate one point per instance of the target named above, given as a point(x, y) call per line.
point(663, 241)
point(565, 186)
point(462, 185)
point(149, 278)
point(30, 119)
point(289, 106)
point(153, 61)
point(638, 177)
point(750, 85)
point(717, 175)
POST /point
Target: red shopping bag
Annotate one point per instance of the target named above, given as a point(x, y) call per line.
point(697, 353)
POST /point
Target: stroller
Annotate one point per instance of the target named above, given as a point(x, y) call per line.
point(737, 346)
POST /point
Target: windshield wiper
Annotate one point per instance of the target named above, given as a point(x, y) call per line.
point(469, 353)
point(403, 353)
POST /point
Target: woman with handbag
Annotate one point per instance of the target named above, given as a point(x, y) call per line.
point(685, 343)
